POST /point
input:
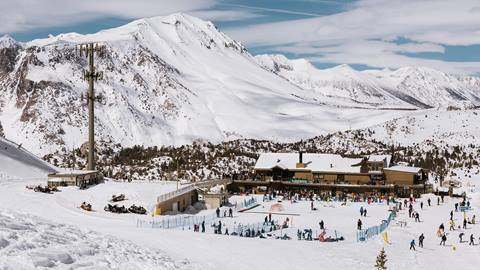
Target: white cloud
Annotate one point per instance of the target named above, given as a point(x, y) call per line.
point(365, 33)
point(21, 15)
point(224, 15)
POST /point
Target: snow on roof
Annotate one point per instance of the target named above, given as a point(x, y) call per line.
point(401, 168)
point(380, 158)
point(72, 172)
point(312, 161)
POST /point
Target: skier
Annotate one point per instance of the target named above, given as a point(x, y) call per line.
point(218, 212)
point(420, 240)
point(203, 226)
point(417, 217)
point(472, 243)
point(456, 207)
point(438, 200)
point(230, 212)
point(442, 197)
point(429, 202)
point(452, 225)
point(465, 223)
point(321, 224)
point(461, 237)
point(365, 212)
point(359, 224)
point(444, 239)
point(269, 217)
point(451, 215)
point(421, 205)
point(473, 219)
point(412, 245)
point(361, 210)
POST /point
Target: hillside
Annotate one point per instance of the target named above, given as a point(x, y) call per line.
point(177, 79)
point(18, 163)
point(168, 80)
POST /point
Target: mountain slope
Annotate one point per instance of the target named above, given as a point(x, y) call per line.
point(168, 80)
point(18, 163)
point(408, 87)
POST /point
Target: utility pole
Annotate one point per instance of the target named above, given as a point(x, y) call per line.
point(91, 76)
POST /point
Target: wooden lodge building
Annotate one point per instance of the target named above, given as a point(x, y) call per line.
point(372, 173)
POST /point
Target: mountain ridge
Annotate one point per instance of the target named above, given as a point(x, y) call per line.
point(173, 80)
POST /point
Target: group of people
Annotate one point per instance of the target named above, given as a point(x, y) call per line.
point(441, 233)
point(230, 212)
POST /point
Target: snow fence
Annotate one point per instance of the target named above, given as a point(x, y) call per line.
point(363, 235)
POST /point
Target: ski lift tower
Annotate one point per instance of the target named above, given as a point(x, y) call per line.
point(91, 75)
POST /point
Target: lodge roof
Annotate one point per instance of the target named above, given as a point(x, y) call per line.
point(313, 162)
point(402, 168)
point(71, 173)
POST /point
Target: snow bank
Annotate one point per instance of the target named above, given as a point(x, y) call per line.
point(28, 242)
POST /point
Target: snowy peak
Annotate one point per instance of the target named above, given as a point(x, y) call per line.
point(6, 41)
point(408, 87)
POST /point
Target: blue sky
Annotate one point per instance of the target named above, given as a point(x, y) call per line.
point(364, 33)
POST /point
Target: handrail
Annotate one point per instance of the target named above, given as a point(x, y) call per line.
point(172, 194)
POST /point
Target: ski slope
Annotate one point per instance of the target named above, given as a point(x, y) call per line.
point(228, 252)
point(17, 163)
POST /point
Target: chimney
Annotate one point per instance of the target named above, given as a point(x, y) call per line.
point(300, 163)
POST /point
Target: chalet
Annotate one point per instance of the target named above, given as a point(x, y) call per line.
point(78, 178)
point(335, 169)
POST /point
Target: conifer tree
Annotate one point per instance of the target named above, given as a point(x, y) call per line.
point(381, 260)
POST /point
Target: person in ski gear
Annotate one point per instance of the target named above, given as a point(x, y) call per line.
point(361, 211)
point(417, 217)
point(465, 223)
point(420, 240)
point(429, 202)
point(322, 225)
point(230, 212)
point(359, 224)
point(218, 212)
point(472, 243)
point(452, 225)
point(421, 205)
point(412, 245)
point(444, 239)
point(461, 237)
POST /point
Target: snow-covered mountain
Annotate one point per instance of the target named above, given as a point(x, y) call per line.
point(177, 79)
point(409, 87)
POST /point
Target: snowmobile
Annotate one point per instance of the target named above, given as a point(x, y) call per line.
point(137, 210)
point(86, 207)
point(39, 188)
point(118, 198)
point(115, 209)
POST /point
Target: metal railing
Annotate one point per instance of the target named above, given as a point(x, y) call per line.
point(363, 235)
point(170, 195)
